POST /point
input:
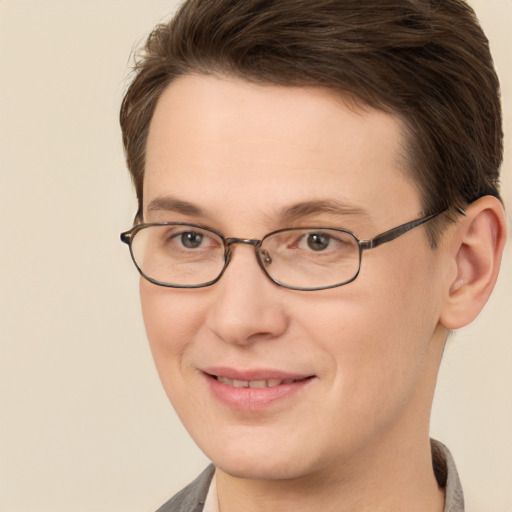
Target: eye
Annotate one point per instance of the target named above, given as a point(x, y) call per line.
point(191, 239)
point(318, 241)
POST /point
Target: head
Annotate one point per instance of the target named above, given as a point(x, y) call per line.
point(249, 117)
point(407, 58)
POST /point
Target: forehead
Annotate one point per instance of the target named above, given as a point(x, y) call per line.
point(229, 145)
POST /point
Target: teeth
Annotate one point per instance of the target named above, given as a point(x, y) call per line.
point(253, 383)
point(258, 384)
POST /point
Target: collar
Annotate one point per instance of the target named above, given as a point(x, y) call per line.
point(447, 477)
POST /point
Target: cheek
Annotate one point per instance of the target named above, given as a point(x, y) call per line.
point(172, 319)
point(376, 336)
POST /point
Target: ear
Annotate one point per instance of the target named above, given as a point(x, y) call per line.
point(475, 247)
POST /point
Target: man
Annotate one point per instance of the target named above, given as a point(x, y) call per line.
point(318, 209)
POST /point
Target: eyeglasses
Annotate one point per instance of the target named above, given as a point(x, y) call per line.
point(180, 255)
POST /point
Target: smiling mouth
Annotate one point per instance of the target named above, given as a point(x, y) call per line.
point(258, 384)
point(254, 390)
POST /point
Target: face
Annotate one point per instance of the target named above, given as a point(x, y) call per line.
point(335, 375)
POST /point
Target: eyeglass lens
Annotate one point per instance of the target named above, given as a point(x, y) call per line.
point(183, 255)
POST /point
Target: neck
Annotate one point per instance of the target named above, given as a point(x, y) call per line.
point(381, 482)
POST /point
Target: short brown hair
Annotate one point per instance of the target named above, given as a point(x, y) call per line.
point(426, 61)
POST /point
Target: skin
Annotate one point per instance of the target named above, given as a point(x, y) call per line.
point(355, 437)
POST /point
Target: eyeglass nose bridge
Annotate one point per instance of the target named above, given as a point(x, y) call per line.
point(228, 242)
point(262, 257)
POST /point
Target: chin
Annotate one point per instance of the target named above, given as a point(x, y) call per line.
point(258, 469)
point(266, 460)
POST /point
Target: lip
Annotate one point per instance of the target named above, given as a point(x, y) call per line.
point(254, 398)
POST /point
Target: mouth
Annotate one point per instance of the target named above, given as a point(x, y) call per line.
point(256, 384)
point(255, 390)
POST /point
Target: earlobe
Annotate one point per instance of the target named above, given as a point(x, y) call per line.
point(476, 247)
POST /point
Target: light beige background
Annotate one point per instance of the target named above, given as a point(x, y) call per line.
point(84, 425)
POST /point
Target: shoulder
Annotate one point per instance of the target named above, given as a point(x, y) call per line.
point(193, 496)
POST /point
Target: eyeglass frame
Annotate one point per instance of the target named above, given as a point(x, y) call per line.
point(363, 245)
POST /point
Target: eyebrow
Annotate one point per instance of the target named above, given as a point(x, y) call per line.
point(307, 208)
point(172, 204)
point(288, 214)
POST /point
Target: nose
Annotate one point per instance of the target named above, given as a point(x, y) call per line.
point(246, 304)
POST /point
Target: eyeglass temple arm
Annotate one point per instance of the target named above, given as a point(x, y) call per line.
point(393, 233)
